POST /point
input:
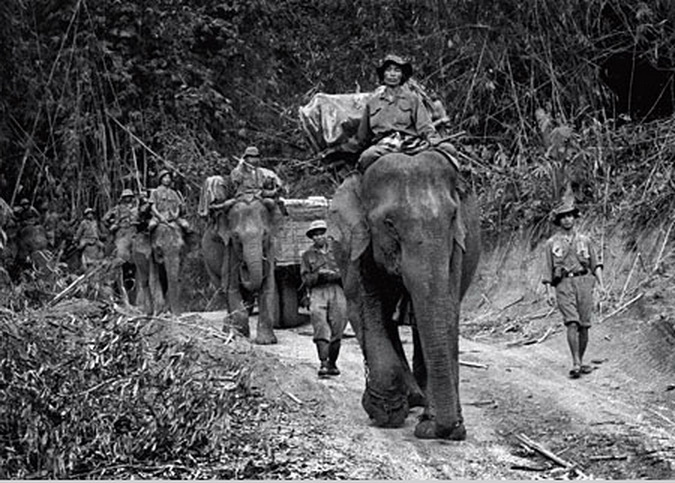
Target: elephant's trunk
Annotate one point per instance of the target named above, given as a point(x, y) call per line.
point(435, 298)
point(251, 270)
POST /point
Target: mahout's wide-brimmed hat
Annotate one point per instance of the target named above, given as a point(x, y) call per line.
point(406, 67)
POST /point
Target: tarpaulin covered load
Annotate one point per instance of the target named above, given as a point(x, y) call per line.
point(330, 119)
point(291, 240)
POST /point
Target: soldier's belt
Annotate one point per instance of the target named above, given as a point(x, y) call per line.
point(576, 274)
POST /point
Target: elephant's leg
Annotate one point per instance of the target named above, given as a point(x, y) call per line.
point(237, 312)
point(143, 299)
point(268, 313)
point(173, 284)
point(156, 291)
point(385, 398)
point(415, 393)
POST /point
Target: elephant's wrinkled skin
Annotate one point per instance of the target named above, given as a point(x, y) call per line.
point(398, 232)
point(239, 257)
point(158, 258)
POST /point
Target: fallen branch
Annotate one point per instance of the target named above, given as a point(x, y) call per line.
point(489, 402)
point(293, 397)
point(607, 457)
point(473, 364)
point(511, 304)
point(540, 339)
point(549, 454)
point(623, 307)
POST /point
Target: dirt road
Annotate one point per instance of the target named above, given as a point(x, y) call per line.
point(609, 423)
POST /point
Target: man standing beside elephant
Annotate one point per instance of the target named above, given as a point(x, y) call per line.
point(328, 306)
point(571, 267)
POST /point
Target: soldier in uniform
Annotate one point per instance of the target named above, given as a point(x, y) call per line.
point(122, 220)
point(327, 305)
point(26, 214)
point(166, 204)
point(249, 177)
point(88, 238)
point(571, 268)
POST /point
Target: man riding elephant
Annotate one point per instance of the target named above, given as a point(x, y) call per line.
point(167, 205)
point(395, 118)
point(248, 177)
point(121, 220)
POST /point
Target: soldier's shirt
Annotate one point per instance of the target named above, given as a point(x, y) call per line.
point(123, 215)
point(168, 202)
point(88, 230)
point(402, 112)
point(572, 252)
point(313, 260)
point(251, 180)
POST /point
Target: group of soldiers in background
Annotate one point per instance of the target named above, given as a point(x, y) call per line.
point(34, 230)
point(134, 212)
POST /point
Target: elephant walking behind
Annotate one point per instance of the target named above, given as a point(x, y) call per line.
point(408, 229)
point(238, 251)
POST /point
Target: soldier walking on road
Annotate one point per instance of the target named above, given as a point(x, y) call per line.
point(571, 268)
point(327, 306)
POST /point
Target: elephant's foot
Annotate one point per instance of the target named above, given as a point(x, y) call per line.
point(427, 428)
point(416, 399)
point(265, 339)
point(240, 324)
point(385, 412)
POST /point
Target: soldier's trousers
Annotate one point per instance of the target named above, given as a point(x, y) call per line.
point(328, 312)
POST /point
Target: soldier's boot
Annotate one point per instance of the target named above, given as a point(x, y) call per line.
point(333, 353)
point(322, 349)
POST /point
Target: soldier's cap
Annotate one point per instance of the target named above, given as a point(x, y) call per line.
point(88, 210)
point(126, 193)
point(405, 66)
point(316, 226)
point(563, 209)
point(251, 151)
point(163, 173)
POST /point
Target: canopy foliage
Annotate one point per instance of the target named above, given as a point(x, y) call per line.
point(100, 95)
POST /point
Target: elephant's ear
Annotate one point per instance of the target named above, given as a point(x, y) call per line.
point(348, 226)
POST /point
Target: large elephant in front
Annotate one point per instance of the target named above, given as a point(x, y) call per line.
point(158, 257)
point(408, 230)
point(238, 251)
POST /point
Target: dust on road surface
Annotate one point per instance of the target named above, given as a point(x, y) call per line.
point(608, 423)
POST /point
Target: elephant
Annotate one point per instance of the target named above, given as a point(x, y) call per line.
point(157, 256)
point(239, 252)
point(408, 229)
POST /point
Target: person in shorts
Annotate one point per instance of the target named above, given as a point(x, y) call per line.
point(571, 269)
